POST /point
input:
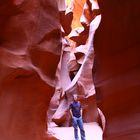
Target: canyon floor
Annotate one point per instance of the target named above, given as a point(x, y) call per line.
point(93, 132)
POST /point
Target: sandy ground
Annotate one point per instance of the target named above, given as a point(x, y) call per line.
point(92, 130)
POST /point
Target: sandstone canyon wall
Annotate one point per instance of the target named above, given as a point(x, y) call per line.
point(117, 68)
point(74, 74)
point(30, 47)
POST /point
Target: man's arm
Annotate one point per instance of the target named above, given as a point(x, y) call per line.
point(71, 113)
point(70, 110)
point(81, 112)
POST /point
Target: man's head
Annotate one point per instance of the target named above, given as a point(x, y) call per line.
point(75, 98)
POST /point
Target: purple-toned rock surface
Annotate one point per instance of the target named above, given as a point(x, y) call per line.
point(117, 68)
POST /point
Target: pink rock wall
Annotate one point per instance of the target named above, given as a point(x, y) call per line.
point(75, 74)
point(117, 68)
point(30, 47)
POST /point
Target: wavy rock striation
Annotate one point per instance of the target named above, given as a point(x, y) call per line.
point(30, 47)
point(117, 74)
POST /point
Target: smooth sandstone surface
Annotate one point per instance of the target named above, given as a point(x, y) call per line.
point(74, 75)
point(30, 48)
point(92, 131)
point(117, 68)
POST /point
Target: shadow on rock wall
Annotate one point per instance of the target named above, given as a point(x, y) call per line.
point(29, 53)
point(117, 63)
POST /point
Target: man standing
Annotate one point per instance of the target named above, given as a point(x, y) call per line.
point(76, 113)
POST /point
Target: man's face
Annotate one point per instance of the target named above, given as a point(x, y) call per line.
point(75, 97)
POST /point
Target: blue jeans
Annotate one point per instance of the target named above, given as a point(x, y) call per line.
point(78, 122)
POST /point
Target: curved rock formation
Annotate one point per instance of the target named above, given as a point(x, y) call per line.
point(75, 75)
point(117, 74)
point(30, 47)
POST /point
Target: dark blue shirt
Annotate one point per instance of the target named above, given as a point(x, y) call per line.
point(75, 106)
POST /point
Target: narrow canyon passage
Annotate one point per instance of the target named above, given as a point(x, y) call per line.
point(74, 76)
point(51, 50)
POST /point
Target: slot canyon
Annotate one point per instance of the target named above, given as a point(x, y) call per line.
point(53, 49)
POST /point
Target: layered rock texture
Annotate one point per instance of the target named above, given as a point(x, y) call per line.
point(36, 62)
point(117, 74)
point(30, 47)
point(74, 73)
